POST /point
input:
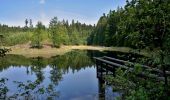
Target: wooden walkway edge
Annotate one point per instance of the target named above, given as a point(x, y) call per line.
point(112, 63)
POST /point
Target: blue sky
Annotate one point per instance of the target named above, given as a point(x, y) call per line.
point(14, 12)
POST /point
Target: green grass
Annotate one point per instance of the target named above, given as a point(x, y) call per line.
point(17, 38)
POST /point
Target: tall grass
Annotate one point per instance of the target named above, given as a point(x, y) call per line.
point(17, 38)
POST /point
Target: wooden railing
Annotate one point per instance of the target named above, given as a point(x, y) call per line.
point(109, 63)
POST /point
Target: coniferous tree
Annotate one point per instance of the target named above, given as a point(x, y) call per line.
point(26, 22)
point(31, 25)
point(37, 36)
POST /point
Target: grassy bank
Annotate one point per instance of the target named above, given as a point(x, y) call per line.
point(47, 51)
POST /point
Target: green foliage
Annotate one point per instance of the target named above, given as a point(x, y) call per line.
point(140, 24)
point(137, 68)
point(120, 82)
point(37, 36)
point(5, 29)
point(3, 88)
point(74, 38)
point(58, 32)
point(135, 88)
point(98, 37)
point(3, 51)
point(17, 38)
point(34, 90)
point(29, 90)
point(138, 94)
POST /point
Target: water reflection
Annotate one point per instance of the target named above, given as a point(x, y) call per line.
point(73, 75)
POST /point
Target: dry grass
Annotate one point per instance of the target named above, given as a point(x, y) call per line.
point(47, 51)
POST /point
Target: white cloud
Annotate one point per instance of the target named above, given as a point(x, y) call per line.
point(42, 15)
point(43, 18)
point(42, 1)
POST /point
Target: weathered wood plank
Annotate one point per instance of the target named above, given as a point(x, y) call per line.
point(111, 64)
point(108, 62)
point(144, 66)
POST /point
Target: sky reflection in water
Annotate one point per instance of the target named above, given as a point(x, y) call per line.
point(73, 74)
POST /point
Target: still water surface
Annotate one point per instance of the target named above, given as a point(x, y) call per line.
point(73, 76)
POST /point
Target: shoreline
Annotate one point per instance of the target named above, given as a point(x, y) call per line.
point(48, 52)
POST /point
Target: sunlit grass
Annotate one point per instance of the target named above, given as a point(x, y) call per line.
point(47, 51)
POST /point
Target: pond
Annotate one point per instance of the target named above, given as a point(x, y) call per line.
point(71, 76)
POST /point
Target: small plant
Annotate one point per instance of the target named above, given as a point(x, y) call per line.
point(135, 88)
point(3, 88)
point(28, 91)
point(34, 90)
point(3, 51)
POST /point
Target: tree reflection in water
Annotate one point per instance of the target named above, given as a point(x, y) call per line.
point(37, 66)
point(56, 72)
point(56, 66)
point(59, 65)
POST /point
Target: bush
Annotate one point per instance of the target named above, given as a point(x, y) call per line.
point(17, 38)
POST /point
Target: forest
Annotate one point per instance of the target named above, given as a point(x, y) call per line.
point(140, 25)
point(58, 33)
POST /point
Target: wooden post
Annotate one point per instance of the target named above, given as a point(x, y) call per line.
point(101, 89)
point(106, 70)
point(97, 69)
point(101, 69)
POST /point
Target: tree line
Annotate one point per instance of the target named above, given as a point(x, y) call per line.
point(140, 23)
point(58, 33)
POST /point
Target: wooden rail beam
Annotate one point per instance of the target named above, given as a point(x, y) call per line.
point(104, 61)
point(144, 66)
